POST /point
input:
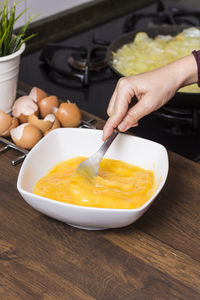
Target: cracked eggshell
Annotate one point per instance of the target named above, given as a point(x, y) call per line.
point(47, 104)
point(23, 107)
point(68, 114)
point(43, 124)
point(5, 121)
point(37, 94)
point(14, 124)
point(26, 135)
point(55, 125)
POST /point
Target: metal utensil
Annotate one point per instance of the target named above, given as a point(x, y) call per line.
point(90, 166)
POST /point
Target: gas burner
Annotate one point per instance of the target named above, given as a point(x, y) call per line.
point(166, 14)
point(79, 60)
point(72, 65)
point(179, 121)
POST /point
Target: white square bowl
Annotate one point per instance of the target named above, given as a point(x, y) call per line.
point(65, 143)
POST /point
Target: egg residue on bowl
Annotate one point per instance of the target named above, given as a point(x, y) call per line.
point(118, 185)
point(146, 53)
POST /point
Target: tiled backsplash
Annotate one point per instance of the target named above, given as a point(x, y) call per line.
point(44, 7)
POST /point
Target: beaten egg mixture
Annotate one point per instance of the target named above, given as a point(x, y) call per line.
point(118, 185)
point(145, 53)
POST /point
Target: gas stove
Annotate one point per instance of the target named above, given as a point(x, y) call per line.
point(76, 69)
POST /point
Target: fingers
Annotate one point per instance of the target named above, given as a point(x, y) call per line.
point(146, 87)
point(111, 103)
point(120, 101)
point(108, 128)
point(122, 95)
point(143, 107)
point(118, 106)
point(138, 111)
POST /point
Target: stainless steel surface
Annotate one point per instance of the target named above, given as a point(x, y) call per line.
point(90, 166)
point(10, 145)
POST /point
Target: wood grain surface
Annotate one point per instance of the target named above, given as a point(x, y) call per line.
point(157, 257)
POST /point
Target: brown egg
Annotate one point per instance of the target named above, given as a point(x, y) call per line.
point(37, 94)
point(14, 124)
point(26, 135)
point(44, 124)
point(5, 122)
point(68, 114)
point(47, 104)
point(23, 107)
point(55, 125)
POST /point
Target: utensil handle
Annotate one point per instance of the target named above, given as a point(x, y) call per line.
point(108, 142)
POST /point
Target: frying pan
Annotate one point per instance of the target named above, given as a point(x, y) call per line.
point(180, 100)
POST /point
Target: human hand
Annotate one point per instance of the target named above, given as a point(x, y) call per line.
point(152, 89)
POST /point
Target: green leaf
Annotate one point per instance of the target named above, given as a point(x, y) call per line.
point(8, 18)
point(15, 45)
point(27, 39)
point(2, 43)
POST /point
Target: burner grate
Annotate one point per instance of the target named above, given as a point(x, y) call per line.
point(167, 13)
point(82, 62)
point(179, 121)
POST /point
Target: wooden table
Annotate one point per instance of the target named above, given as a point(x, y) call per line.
point(158, 257)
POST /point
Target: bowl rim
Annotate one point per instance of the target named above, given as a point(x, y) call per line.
point(63, 204)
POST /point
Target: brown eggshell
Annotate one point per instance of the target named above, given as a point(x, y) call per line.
point(37, 94)
point(26, 135)
point(23, 107)
point(5, 122)
point(47, 104)
point(14, 124)
point(56, 124)
point(68, 114)
point(43, 125)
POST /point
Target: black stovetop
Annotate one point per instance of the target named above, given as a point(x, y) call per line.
point(95, 97)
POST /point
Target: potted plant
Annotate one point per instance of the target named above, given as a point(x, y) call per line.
point(11, 47)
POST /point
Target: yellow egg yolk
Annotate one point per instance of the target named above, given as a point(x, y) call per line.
point(118, 185)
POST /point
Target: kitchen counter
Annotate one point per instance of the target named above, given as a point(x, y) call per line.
point(158, 257)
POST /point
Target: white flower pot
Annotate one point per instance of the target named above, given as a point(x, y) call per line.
point(9, 69)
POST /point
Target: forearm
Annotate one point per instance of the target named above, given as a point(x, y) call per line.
point(184, 71)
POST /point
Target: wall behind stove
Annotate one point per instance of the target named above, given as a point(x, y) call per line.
point(45, 7)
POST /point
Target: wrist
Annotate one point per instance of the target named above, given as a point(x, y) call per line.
point(187, 70)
